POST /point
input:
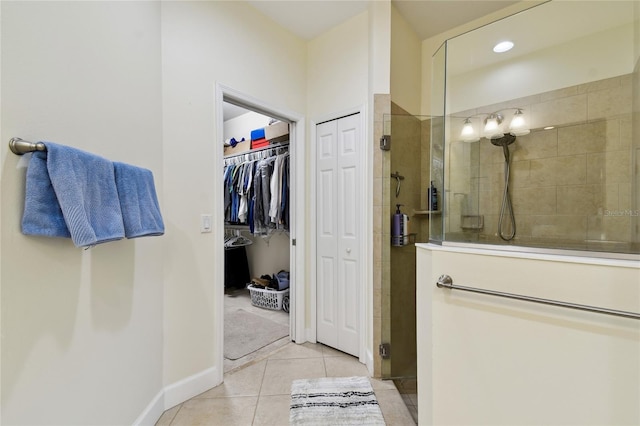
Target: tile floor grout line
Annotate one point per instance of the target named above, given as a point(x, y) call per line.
point(176, 414)
point(324, 364)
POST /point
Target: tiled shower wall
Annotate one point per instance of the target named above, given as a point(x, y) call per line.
point(569, 185)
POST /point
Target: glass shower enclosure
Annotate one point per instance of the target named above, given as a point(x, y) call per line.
point(541, 144)
point(536, 149)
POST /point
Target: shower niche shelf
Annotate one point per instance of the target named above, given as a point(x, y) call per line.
point(426, 212)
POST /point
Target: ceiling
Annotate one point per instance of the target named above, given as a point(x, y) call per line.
point(309, 18)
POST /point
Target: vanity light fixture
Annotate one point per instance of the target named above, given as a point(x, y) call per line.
point(518, 124)
point(469, 133)
point(493, 125)
point(503, 46)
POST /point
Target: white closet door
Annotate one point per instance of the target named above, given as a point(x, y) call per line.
point(338, 227)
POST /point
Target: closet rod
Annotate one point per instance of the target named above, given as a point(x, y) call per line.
point(275, 146)
point(19, 146)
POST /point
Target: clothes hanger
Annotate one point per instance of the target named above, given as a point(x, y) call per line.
point(238, 240)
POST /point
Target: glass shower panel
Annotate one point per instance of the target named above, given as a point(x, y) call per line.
point(437, 143)
point(568, 178)
point(407, 216)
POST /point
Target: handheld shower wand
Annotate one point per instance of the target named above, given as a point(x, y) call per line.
point(504, 142)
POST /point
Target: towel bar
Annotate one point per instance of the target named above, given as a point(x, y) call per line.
point(19, 146)
point(445, 281)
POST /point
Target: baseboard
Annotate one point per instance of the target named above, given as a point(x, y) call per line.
point(310, 335)
point(369, 361)
point(152, 413)
point(191, 386)
point(177, 393)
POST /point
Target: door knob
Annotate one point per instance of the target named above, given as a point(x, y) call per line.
point(348, 250)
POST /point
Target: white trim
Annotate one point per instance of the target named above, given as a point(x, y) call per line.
point(365, 319)
point(177, 393)
point(298, 218)
point(153, 412)
point(367, 248)
point(299, 226)
point(369, 361)
point(313, 238)
point(191, 386)
point(218, 230)
point(489, 250)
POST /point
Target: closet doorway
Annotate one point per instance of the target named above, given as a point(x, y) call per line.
point(259, 229)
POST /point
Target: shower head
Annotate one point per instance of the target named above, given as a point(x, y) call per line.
point(505, 140)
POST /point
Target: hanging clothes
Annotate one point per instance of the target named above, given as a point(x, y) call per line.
point(256, 191)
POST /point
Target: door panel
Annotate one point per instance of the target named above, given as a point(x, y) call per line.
point(326, 277)
point(339, 223)
point(327, 310)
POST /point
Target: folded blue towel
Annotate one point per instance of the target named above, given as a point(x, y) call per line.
point(42, 214)
point(138, 201)
point(84, 186)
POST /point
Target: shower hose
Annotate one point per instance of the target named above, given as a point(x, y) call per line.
point(506, 202)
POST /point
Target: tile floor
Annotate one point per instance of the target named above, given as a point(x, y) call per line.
point(258, 393)
point(256, 388)
point(408, 389)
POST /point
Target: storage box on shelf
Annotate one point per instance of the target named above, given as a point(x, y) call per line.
point(277, 132)
point(259, 143)
point(238, 149)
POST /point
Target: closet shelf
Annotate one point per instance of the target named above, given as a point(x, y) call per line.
point(250, 151)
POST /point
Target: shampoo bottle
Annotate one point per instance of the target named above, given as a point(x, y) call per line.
point(432, 198)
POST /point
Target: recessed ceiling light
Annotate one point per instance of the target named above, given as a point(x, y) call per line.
point(503, 46)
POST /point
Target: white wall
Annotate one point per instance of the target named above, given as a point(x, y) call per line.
point(337, 68)
point(339, 81)
point(94, 336)
point(81, 329)
point(489, 360)
point(204, 43)
point(406, 90)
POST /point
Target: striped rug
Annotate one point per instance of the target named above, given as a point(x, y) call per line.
point(334, 401)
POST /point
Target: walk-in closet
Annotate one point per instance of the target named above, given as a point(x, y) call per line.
point(257, 182)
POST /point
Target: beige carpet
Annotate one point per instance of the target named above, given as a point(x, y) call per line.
point(245, 333)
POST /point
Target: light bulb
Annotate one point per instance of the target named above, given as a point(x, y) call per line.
point(518, 124)
point(468, 133)
point(492, 126)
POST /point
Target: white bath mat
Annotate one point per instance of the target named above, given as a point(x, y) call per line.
point(334, 401)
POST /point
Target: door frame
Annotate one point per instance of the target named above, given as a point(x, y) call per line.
point(364, 242)
point(297, 314)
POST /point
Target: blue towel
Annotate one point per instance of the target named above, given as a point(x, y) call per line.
point(42, 214)
point(84, 186)
point(138, 201)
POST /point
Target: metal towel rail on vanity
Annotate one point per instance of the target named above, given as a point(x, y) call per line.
point(445, 281)
point(19, 146)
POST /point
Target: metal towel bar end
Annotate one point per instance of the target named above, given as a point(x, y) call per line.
point(445, 281)
point(19, 146)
